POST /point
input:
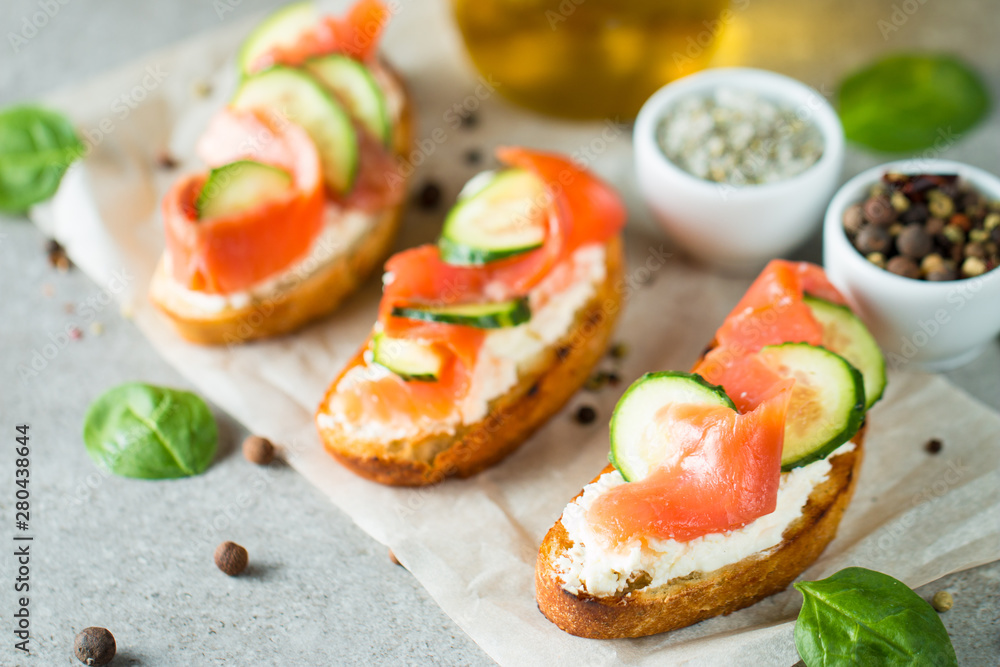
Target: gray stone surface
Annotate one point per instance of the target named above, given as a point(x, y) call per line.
point(136, 556)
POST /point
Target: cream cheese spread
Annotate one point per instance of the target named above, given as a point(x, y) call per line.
point(342, 229)
point(600, 571)
point(504, 353)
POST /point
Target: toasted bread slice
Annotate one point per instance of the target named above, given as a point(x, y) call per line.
point(305, 298)
point(539, 393)
point(700, 595)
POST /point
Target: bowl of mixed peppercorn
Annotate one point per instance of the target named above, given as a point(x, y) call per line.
point(915, 246)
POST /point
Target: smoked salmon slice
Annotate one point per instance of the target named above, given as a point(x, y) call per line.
point(581, 210)
point(357, 35)
point(231, 253)
point(723, 473)
point(771, 312)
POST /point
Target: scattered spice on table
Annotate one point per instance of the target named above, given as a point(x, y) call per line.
point(933, 446)
point(429, 196)
point(601, 379)
point(95, 646)
point(926, 227)
point(201, 89)
point(231, 558)
point(619, 350)
point(942, 601)
point(164, 160)
point(468, 120)
point(57, 255)
point(585, 414)
point(75, 333)
point(738, 137)
point(473, 156)
point(96, 328)
point(258, 450)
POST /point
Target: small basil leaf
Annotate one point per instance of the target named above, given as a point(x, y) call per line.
point(910, 102)
point(150, 432)
point(862, 617)
point(36, 148)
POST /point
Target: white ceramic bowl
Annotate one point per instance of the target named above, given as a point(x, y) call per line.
point(922, 325)
point(737, 228)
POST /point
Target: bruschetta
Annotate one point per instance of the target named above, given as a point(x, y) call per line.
point(303, 195)
point(727, 482)
point(485, 335)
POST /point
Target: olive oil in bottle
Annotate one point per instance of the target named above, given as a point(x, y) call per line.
point(588, 58)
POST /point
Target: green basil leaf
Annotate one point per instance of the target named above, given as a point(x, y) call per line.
point(150, 432)
point(910, 102)
point(36, 148)
point(863, 617)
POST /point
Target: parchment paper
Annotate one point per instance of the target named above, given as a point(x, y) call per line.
point(473, 543)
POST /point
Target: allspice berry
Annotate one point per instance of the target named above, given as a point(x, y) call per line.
point(258, 450)
point(95, 646)
point(873, 239)
point(854, 219)
point(903, 266)
point(942, 601)
point(878, 209)
point(934, 226)
point(231, 558)
point(914, 242)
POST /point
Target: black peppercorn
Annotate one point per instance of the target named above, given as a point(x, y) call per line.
point(468, 120)
point(586, 414)
point(916, 213)
point(95, 646)
point(933, 446)
point(473, 156)
point(429, 196)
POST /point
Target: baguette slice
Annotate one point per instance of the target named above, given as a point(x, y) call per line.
point(539, 393)
point(700, 595)
point(315, 295)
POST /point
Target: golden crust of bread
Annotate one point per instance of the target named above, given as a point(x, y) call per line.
point(512, 418)
point(696, 597)
point(314, 296)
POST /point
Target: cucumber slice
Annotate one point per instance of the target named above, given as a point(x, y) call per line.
point(282, 28)
point(357, 89)
point(635, 455)
point(827, 404)
point(299, 97)
point(478, 315)
point(409, 359)
point(845, 334)
point(239, 186)
point(503, 218)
